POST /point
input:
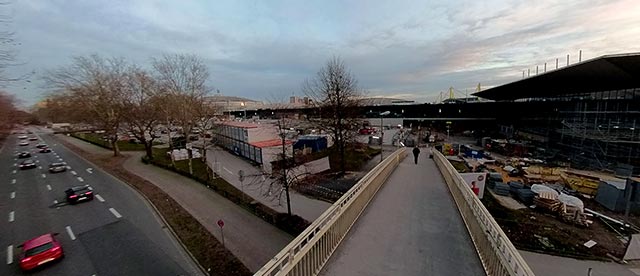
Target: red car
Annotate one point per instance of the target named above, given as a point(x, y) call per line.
point(39, 251)
point(366, 131)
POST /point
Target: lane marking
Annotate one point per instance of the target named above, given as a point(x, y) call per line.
point(74, 173)
point(37, 161)
point(90, 188)
point(115, 213)
point(55, 201)
point(15, 164)
point(14, 171)
point(80, 179)
point(230, 172)
point(13, 195)
point(40, 167)
point(12, 216)
point(100, 198)
point(89, 170)
point(44, 175)
point(71, 235)
point(60, 159)
point(13, 181)
point(9, 254)
point(48, 187)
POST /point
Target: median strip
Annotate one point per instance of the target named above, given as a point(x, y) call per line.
point(115, 213)
point(70, 232)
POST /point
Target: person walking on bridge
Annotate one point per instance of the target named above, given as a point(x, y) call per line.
point(416, 153)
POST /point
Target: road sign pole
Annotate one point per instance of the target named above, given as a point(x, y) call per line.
point(221, 225)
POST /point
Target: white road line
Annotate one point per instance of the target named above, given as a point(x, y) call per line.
point(100, 198)
point(13, 181)
point(48, 187)
point(230, 172)
point(15, 164)
point(68, 167)
point(40, 167)
point(55, 201)
point(71, 235)
point(14, 171)
point(115, 213)
point(89, 170)
point(90, 188)
point(60, 159)
point(9, 254)
point(80, 179)
point(74, 173)
point(37, 161)
point(13, 195)
point(12, 216)
point(44, 175)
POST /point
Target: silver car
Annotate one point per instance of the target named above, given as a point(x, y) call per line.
point(57, 167)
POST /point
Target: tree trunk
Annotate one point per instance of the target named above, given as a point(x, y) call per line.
point(190, 161)
point(148, 147)
point(116, 149)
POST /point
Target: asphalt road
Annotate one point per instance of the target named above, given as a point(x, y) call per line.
point(115, 234)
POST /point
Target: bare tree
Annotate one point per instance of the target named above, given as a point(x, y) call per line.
point(143, 106)
point(336, 96)
point(96, 86)
point(7, 111)
point(183, 78)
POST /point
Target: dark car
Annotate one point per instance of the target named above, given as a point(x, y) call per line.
point(27, 164)
point(79, 193)
point(33, 138)
point(40, 251)
point(57, 167)
point(45, 150)
point(40, 146)
point(24, 154)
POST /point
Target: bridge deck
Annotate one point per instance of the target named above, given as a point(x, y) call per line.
point(411, 227)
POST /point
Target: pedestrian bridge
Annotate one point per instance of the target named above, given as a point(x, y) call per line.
point(403, 219)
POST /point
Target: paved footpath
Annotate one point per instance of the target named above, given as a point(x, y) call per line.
point(250, 238)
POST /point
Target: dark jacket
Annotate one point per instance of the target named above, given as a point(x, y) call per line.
point(416, 151)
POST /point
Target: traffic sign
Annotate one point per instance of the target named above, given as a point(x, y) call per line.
point(220, 223)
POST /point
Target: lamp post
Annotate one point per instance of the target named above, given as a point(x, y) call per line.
point(382, 133)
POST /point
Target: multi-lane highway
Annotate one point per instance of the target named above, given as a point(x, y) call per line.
point(115, 234)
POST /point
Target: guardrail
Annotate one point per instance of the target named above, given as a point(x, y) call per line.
point(497, 253)
point(308, 253)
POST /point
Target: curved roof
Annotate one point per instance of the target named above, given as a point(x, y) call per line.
point(611, 72)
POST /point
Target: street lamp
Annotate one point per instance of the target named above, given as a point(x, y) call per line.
point(382, 133)
point(245, 109)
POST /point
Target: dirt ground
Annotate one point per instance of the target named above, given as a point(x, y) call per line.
point(537, 231)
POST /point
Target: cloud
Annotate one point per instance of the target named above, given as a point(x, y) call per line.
point(257, 49)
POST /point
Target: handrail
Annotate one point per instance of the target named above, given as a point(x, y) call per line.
point(308, 253)
point(497, 253)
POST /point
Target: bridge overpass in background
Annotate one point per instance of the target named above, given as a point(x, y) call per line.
point(403, 219)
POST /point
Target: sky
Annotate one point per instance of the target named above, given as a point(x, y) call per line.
point(266, 49)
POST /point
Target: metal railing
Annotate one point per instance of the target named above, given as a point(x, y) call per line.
point(308, 253)
point(497, 253)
